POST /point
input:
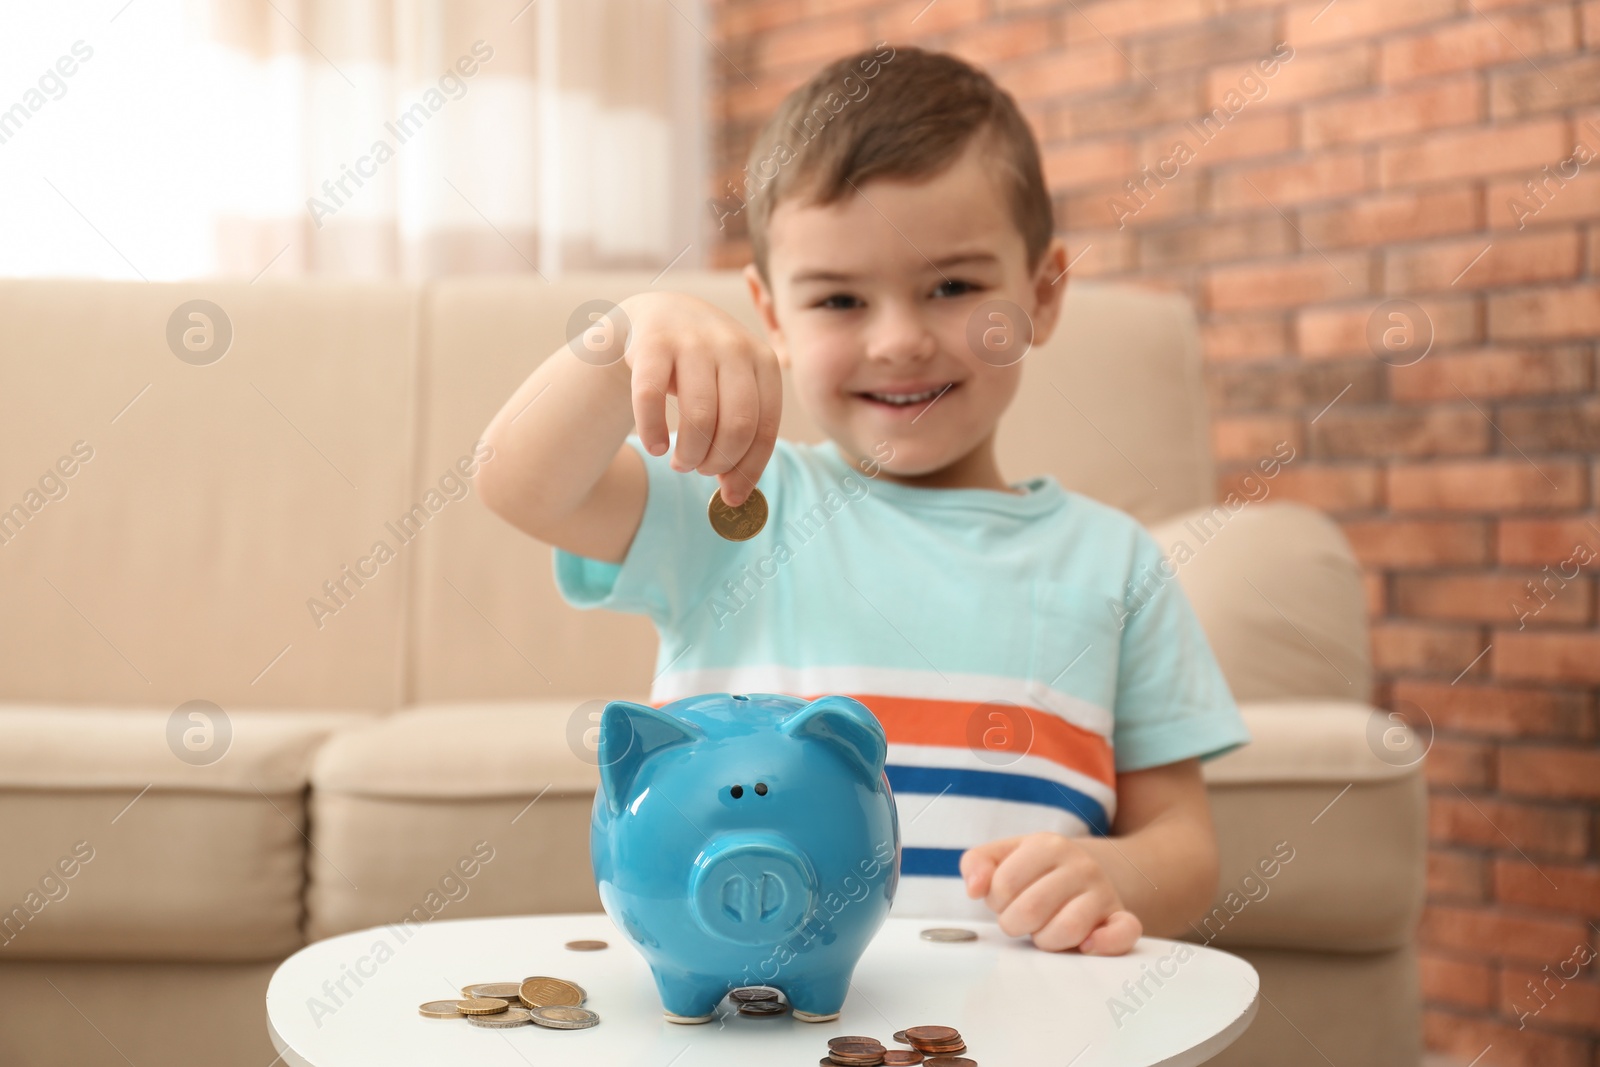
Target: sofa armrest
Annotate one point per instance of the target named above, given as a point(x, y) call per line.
point(1279, 594)
point(1321, 831)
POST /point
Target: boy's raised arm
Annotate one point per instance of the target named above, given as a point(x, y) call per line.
point(561, 469)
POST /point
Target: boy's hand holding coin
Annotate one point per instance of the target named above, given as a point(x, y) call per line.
point(727, 381)
point(1049, 886)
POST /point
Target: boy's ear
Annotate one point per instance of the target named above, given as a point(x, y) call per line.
point(761, 296)
point(629, 733)
point(1049, 286)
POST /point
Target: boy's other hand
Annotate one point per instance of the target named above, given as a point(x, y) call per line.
point(727, 381)
point(1049, 886)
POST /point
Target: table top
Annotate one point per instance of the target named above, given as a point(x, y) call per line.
point(1166, 1003)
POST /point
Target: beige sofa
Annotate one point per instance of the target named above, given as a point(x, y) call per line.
point(168, 522)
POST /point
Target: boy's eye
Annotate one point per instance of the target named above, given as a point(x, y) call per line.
point(954, 287)
point(839, 302)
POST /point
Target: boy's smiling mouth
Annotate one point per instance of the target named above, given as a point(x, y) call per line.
point(901, 397)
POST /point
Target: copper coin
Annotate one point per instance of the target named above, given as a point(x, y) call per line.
point(542, 992)
point(587, 946)
point(740, 523)
point(846, 1042)
point(752, 993)
point(949, 1061)
point(763, 1007)
point(901, 1057)
point(933, 1034)
point(900, 1036)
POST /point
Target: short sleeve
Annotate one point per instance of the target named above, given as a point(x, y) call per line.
point(670, 564)
point(1172, 701)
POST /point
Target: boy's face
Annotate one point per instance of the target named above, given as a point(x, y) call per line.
point(875, 293)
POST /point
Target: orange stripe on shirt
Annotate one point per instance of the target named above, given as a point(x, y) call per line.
point(1001, 727)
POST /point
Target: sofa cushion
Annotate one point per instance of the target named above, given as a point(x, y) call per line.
point(116, 847)
point(452, 811)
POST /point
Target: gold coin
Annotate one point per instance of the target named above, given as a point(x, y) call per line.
point(506, 991)
point(740, 523)
point(948, 933)
point(542, 992)
point(505, 1020)
point(482, 1005)
point(586, 946)
point(440, 1009)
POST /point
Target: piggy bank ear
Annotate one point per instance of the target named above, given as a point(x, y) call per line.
point(847, 725)
point(629, 733)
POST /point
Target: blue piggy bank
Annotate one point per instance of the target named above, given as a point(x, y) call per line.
point(745, 839)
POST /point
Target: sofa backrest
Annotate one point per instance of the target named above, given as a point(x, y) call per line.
point(287, 526)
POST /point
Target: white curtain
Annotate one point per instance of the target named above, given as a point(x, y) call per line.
point(362, 138)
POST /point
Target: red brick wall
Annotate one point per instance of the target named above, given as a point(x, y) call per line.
point(1378, 165)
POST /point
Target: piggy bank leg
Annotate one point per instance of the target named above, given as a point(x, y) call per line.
point(689, 998)
point(819, 999)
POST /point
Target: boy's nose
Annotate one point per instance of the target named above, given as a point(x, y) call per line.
point(900, 333)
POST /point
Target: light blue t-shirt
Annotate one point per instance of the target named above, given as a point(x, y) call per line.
point(1020, 649)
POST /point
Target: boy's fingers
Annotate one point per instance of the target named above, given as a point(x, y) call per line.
point(652, 374)
point(696, 379)
point(1077, 916)
point(1025, 864)
point(1037, 906)
point(978, 864)
point(747, 471)
point(738, 414)
point(1115, 936)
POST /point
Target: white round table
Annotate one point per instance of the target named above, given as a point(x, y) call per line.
point(352, 1000)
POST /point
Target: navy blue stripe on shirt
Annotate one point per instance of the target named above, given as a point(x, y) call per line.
point(997, 785)
point(936, 862)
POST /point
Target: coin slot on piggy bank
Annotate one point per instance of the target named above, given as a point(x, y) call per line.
point(778, 883)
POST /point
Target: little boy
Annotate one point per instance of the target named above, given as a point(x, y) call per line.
point(1045, 725)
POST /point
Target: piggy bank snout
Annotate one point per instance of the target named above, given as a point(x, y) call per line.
point(751, 889)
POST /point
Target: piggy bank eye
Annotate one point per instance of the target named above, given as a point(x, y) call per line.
point(761, 789)
point(737, 791)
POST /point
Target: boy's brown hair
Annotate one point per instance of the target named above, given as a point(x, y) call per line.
point(903, 113)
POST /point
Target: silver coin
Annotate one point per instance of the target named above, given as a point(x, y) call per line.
point(503, 990)
point(564, 1017)
point(948, 933)
point(503, 1020)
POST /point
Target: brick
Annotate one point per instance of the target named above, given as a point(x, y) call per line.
point(1476, 263)
point(1113, 206)
point(895, 21)
point(1290, 385)
point(1471, 929)
point(1341, 330)
point(1546, 313)
point(1121, 18)
point(810, 44)
point(1210, 242)
point(1076, 164)
point(1458, 762)
point(1490, 598)
point(1465, 1038)
point(1375, 594)
point(1591, 22)
point(1395, 543)
point(1139, 104)
point(1244, 337)
point(1518, 92)
point(1056, 74)
point(1498, 710)
point(1333, 489)
point(1246, 438)
point(1287, 282)
point(1102, 252)
point(1375, 433)
point(1471, 153)
point(1400, 215)
point(1326, 176)
point(1558, 192)
point(991, 43)
point(737, 21)
point(1543, 996)
point(1305, 76)
point(1226, 40)
point(1450, 979)
point(1319, 23)
point(1568, 426)
point(1391, 113)
point(1423, 648)
point(1551, 886)
point(1486, 822)
point(1557, 658)
point(1538, 542)
point(1493, 372)
point(1245, 136)
point(1487, 485)
point(1478, 41)
point(1550, 771)
point(1455, 875)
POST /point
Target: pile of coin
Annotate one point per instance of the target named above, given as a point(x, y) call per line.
point(759, 1000)
point(941, 1043)
point(553, 1003)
